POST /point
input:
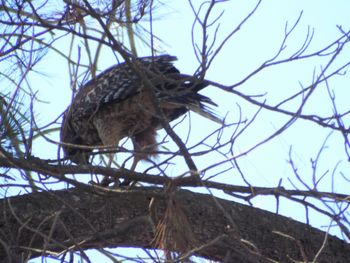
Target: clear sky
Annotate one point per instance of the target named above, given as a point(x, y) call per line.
point(257, 41)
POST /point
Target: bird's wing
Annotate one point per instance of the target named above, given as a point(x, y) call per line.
point(121, 81)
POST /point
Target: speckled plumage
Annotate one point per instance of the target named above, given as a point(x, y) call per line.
point(115, 105)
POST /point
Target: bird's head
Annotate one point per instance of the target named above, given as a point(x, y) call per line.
point(70, 143)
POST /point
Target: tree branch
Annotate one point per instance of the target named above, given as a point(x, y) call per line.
point(55, 222)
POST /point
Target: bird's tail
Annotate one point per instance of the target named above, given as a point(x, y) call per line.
point(202, 107)
point(199, 103)
point(182, 90)
point(190, 99)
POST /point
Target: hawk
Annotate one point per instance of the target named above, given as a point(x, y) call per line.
point(116, 104)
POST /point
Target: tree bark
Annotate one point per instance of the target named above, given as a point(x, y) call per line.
point(53, 221)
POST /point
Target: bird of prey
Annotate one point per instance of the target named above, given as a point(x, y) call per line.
point(126, 101)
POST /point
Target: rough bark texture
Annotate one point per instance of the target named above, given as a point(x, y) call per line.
point(233, 232)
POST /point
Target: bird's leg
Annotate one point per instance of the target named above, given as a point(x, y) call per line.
point(107, 180)
point(110, 157)
point(145, 145)
point(110, 141)
point(128, 182)
point(136, 159)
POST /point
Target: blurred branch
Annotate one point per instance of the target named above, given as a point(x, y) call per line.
point(59, 172)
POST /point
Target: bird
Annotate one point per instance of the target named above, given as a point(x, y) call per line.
point(120, 102)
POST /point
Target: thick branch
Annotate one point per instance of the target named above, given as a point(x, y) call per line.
point(77, 219)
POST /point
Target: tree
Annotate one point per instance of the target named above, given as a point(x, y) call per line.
point(52, 208)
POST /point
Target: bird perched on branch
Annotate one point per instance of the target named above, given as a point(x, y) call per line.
point(130, 100)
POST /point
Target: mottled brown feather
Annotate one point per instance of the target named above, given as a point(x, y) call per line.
point(115, 105)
